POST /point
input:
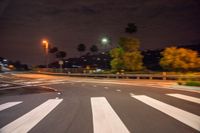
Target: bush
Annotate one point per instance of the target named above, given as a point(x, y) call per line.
point(193, 83)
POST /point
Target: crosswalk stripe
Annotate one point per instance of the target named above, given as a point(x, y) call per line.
point(105, 120)
point(185, 117)
point(8, 105)
point(185, 97)
point(26, 122)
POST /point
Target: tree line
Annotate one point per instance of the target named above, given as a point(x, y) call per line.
point(127, 56)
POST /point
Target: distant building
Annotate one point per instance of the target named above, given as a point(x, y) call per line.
point(3, 68)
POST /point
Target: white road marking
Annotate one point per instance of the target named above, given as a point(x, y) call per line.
point(50, 88)
point(185, 97)
point(105, 120)
point(131, 94)
point(16, 81)
point(23, 86)
point(26, 122)
point(82, 84)
point(32, 82)
point(94, 86)
point(185, 117)
point(105, 87)
point(41, 79)
point(8, 105)
point(138, 84)
point(5, 85)
point(118, 90)
point(58, 80)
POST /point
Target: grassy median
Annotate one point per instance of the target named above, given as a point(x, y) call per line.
point(189, 83)
point(193, 83)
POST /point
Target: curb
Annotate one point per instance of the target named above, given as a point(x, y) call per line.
point(186, 88)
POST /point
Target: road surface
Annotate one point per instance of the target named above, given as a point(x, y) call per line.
point(37, 103)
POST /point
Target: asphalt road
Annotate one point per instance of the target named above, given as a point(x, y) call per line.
point(50, 104)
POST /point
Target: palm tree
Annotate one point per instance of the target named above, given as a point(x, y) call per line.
point(94, 49)
point(81, 48)
point(131, 28)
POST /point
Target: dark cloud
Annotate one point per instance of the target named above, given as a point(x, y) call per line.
point(84, 10)
point(53, 11)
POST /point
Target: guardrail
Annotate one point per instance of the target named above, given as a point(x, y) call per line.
point(129, 76)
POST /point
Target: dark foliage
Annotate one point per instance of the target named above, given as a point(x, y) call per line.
point(131, 28)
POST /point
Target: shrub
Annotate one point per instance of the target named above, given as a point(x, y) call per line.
point(193, 83)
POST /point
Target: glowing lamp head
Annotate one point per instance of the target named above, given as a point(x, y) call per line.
point(45, 43)
point(104, 40)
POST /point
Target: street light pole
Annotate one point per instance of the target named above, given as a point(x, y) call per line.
point(105, 43)
point(46, 48)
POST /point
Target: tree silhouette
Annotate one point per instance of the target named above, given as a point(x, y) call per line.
point(61, 54)
point(81, 48)
point(131, 28)
point(53, 50)
point(94, 49)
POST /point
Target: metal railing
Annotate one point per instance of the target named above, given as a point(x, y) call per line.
point(163, 76)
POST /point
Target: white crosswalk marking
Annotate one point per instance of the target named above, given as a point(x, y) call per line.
point(105, 120)
point(8, 105)
point(185, 97)
point(185, 117)
point(26, 122)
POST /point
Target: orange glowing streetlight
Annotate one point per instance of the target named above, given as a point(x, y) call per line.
point(46, 48)
point(46, 45)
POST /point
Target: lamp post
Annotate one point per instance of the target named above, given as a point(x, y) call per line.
point(105, 43)
point(46, 48)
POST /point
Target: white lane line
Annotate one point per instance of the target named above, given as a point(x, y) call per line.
point(105, 87)
point(40, 79)
point(16, 81)
point(185, 117)
point(105, 120)
point(5, 85)
point(8, 105)
point(26, 122)
point(58, 80)
point(32, 82)
point(82, 84)
point(23, 86)
point(185, 97)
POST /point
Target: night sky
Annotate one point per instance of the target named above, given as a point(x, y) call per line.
point(66, 23)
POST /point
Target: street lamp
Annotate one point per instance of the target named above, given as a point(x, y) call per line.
point(46, 48)
point(105, 44)
point(104, 41)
